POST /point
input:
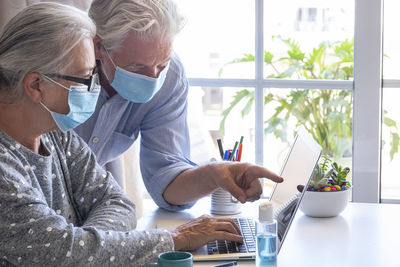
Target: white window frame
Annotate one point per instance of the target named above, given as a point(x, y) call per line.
point(366, 87)
point(367, 100)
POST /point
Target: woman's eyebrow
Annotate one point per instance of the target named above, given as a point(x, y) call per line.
point(85, 71)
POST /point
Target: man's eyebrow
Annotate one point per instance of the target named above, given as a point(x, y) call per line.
point(144, 65)
point(135, 65)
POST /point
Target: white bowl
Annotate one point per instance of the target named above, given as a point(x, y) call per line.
point(324, 204)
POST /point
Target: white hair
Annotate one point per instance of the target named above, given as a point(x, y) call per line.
point(39, 39)
point(148, 18)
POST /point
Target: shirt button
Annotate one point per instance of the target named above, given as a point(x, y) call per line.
point(107, 104)
point(95, 139)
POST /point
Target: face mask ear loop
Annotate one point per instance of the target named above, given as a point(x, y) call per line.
point(46, 108)
point(109, 56)
point(59, 84)
point(112, 61)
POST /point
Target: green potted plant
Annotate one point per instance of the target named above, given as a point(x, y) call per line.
point(326, 114)
point(328, 191)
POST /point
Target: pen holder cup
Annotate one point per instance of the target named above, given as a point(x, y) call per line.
point(223, 203)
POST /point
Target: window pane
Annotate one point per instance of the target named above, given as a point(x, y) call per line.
point(206, 105)
point(390, 182)
point(326, 114)
point(216, 32)
point(309, 39)
point(391, 43)
point(390, 179)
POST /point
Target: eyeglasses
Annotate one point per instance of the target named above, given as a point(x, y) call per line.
point(89, 82)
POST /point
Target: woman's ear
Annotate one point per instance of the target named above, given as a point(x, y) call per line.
point(97, 47)
point(33, 84)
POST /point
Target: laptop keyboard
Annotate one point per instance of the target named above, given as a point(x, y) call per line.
point(248, 231)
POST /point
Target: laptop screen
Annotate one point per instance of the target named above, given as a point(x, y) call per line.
point(296, 170)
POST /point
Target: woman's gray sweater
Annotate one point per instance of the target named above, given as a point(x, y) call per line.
point(63, 209)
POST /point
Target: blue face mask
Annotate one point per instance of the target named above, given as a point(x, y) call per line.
point(136, 87)
point(82, 104)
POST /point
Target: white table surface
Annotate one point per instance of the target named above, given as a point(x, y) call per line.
point(363, 235)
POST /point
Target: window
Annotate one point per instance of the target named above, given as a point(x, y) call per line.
point(244, 57)
point(215, 33)
point(205, 124)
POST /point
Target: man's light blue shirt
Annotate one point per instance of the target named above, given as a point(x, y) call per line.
point(162, 124)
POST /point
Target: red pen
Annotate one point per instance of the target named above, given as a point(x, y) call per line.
point(239, 156)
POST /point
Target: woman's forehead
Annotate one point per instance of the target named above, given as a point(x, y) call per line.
point(83, 59)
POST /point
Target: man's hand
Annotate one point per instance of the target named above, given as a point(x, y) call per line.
point(242, 179)
point(198, 232)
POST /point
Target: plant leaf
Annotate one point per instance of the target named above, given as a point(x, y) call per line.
point(245, 58)
point(236, 99)
point(394, 144)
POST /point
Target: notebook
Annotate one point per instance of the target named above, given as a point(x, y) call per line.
point(297, 169)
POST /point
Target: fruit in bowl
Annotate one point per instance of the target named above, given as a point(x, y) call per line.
point(328, 191)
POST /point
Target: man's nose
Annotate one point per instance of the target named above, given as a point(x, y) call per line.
point(153, 73)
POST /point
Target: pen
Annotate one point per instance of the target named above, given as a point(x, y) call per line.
point(239, 156)
point(226, 155)
point(221, 149)
point(232, 157)
point(241, 140)
point(232, 263)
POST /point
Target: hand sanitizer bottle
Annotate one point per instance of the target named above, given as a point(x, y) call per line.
point(266, 234)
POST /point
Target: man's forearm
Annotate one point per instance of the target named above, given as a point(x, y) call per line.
point(191, 185)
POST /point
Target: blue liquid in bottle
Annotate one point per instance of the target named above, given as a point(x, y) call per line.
point(266, 250)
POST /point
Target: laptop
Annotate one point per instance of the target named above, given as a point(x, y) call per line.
point(297, 169)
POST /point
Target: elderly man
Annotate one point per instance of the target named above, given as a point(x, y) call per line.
point(144, 91)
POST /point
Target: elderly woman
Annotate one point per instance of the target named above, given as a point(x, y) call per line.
point(57, 205)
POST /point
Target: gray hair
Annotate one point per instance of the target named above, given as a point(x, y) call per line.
point(39, 39)
point(148, 18)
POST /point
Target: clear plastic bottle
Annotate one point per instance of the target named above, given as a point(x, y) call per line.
point(267, 238)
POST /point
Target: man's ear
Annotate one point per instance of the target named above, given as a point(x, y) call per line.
point(97, 47)
point(32, 84)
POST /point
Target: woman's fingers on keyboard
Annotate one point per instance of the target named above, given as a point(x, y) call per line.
point(226, 226)
point(222, 235)
point(216, 221)
point(198, 232)
point(231, 222)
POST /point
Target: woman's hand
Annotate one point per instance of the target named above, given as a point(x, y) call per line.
point(198, 232)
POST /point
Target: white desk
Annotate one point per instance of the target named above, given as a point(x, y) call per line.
point(363, 235)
